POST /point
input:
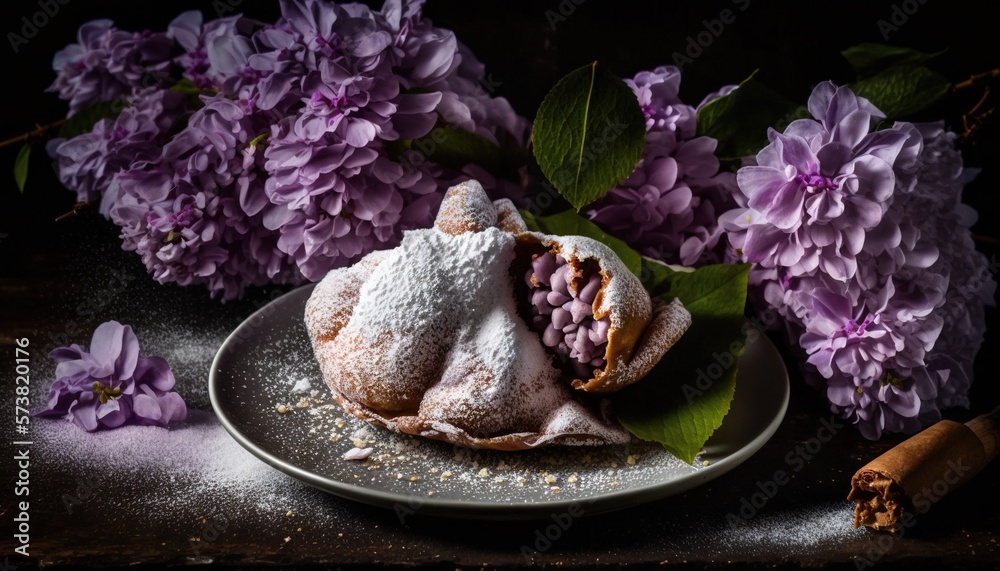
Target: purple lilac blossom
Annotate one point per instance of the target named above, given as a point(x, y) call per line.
point(294, 159)
point(87, 163)
point(860, 243)
point(195, 216)
point(110, 385)
point(669, 207)
point(331, 203)
point(817, 188)
point(109, 64)
point(200, 40)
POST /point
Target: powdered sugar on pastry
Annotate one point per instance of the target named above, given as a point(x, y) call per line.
point(427, 338)
point(435, 344)
point(436, 322)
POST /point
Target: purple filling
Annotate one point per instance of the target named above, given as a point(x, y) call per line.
point(564, 315)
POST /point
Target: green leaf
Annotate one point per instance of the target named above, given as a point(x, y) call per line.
point(687, 395)
point(589, 134)
point(869, 59)
point(570, 223)
point(740, 119)
point(455, 148)
point(656, 275)
point(188, 87)
point(530, 220)
point(903, 90)
point(21, 166)
point(193, 92)
point(83, 120)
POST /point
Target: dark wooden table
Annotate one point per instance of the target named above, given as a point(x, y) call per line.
point(73, 277)
point(59, 281)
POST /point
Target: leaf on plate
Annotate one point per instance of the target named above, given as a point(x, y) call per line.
point(687, 395)
point(570, 223)
point(589, 134)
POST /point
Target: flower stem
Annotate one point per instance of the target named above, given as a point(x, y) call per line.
point(985, 239)
point(77, 208)
point(977, 78)
point(37, 133)
point(975, 117)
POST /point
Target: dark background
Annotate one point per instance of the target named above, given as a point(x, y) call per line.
point(528, 46)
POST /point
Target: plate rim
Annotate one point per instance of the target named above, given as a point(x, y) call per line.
point(476, 509)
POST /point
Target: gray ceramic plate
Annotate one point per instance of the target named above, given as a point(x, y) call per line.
point(268, 392)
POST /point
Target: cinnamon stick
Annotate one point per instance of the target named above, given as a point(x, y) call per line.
point(908, 479)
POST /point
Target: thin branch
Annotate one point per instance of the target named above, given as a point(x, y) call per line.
point(982, 100)
point(977, 78)
point(37, 133)
point(77, 208)
point(983, 238)
point(974, 118)
point(974, 123)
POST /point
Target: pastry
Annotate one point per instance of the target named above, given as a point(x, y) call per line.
point(429, 339)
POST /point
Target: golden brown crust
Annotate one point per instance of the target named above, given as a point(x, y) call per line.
point(668, 324)
point(638, 337)
point(627, 328)
point(466, 208)
point(410, 424)
point(330, 306)
point(508, 218)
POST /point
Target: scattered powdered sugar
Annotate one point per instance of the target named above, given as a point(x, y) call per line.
point(412, 465)
point(181, 324)
point(314, 433)
point(792, 532)
point(189, 354)
point(183, 469)
point(302, 386)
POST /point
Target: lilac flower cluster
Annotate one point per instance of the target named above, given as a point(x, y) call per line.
point(860, 243)
point(108, 64)
point(293, 156)
point(669, 207)
point(111, 385)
